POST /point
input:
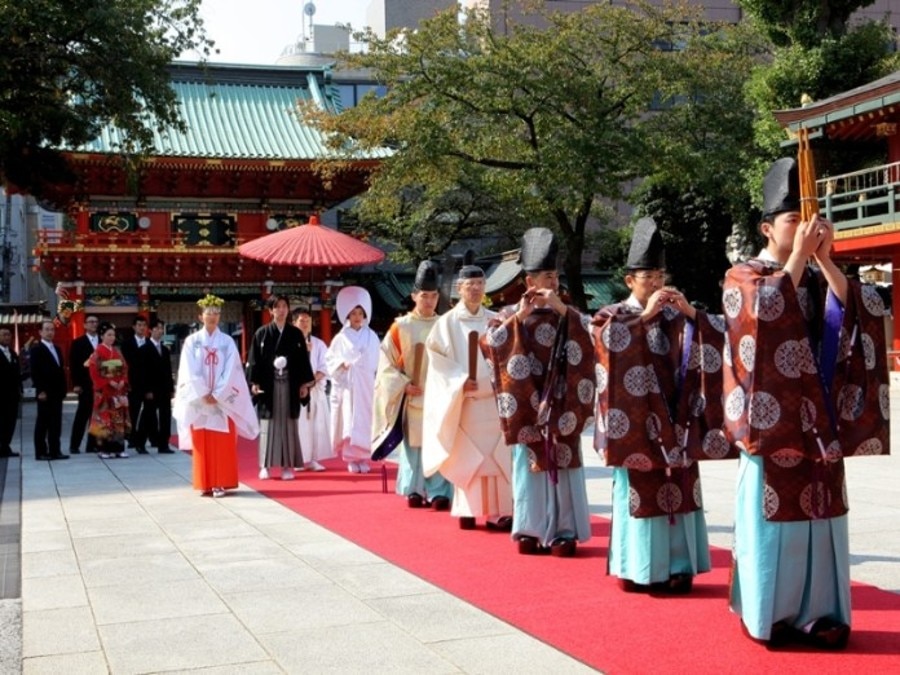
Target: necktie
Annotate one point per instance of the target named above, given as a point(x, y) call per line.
point(7, 354)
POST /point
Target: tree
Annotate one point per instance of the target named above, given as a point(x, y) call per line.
point(548, 119)
point(803, 22)
point(70, 67)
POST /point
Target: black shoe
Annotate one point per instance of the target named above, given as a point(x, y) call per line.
point(563, 547)
point(9, 453)
point(141, 451)
point(500, 524)
point(467, 523)
point(42, 458)
point(827, 634)
point(678, 584)
point(74, 451)
point(60, 456)
point(92, 449)
point(630, 586)
point(528, 546)
point(164, 451)
point(440, 504)
point(415, 501)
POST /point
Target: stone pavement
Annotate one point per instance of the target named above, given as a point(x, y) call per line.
point(124, 569)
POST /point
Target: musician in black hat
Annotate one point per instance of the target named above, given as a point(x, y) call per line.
point(399, 390)
point(658, 361)
point(805, 386)
point(540, 350)
point(461, 437)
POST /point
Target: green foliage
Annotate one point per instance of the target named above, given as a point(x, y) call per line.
point(70, 67)
point(540, 121)
point(803, 22)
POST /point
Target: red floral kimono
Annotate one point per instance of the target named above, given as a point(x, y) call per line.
point(109, 373)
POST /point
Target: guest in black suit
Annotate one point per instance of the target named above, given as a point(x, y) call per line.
point(158, 386)
point(10, 392)
point(49, 381)
point(130, 347)
point(79, 353)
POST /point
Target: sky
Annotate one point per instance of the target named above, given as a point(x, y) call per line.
point(256, 31)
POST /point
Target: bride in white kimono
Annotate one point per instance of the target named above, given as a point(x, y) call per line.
point(352, 361)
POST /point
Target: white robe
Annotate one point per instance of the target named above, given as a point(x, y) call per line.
point(314, 423)
point(461, 434)
point(352, 391)
point(210, 364)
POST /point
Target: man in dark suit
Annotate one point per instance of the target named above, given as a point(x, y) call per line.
point(10, 392)
point(130, 347)
point(49, 381)
point(79, 353)
point(158, 386)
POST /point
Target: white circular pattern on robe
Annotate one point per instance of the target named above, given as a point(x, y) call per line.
point(563, 455)
point(806, 362)
point(669, 497)
point(850, 402)
point(637, 462)
point(735, 403)
point(697, 403)
point(726, 354)
point(694, 357)
point(747, 351)
point(506, 405)
point(634, 500)
point(715, 444)
point(635, 381)
point(868, 346)
point(652, 381)
point(533, 460)
point(567, 423)
point(674, 457)
point(803, 301)
point(658, 341)
point(545, 334)
point(617, 423)
point(769, 303)
point(870, 446)
point(586, 322)
point(710, 359)
point(872, 300)
point(770, 502)
point(529, 434)
point(787, 358)
point(602, 376)
point(717, 321)
point(519, 367)
point(537, 368)
point(574, 354)
point(698, 494)
point(884, 400)
point(844, 346)
point(732, 302)
point(652, 426)
point(806, 500)
point(585, 391)
point(535, 400)
point(615, 337)
point(786, 458)
point(807, 414)
point(497, 337)
point(763, 411)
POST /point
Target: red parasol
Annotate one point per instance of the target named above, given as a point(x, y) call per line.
point(311, 245)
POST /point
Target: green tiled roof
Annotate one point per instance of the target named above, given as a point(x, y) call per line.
point(241, 112)
point(601, 290)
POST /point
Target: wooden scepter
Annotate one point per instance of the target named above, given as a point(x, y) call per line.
point(473, 355)
point(418, 362)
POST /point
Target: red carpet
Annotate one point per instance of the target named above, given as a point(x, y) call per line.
point(571, 603)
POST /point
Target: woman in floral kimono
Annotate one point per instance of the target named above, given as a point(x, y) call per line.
point(109, 374)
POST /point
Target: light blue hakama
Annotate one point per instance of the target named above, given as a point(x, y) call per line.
point(411, 479)
point(796, 571)
point(651, 550)
point(545, 511)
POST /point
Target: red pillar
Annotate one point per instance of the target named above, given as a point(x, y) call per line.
point(144, 300)
point(266, 293)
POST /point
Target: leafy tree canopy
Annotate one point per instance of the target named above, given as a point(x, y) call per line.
point(70, 67)
point(803, 22)
point(541, 122)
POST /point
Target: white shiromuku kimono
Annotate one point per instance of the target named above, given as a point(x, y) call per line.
point(212, 359)
point(352, 389)
point(314, 424)
point(461, 435)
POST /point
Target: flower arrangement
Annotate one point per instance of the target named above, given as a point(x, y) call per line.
point(211, 301)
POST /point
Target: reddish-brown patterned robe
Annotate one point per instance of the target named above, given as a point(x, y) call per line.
point(775, 402)
point(659, 408)
point(520, 355)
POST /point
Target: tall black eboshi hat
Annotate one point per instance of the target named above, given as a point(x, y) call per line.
point(781, 188)
point(539, 250)
point(426, 276)
point(647, 251)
